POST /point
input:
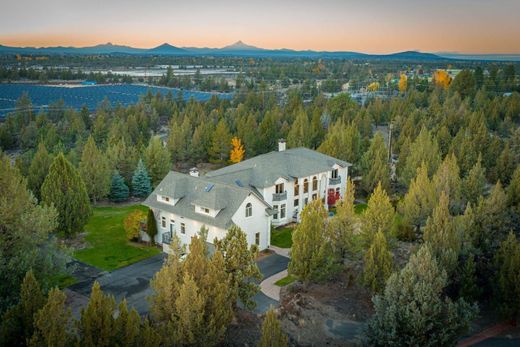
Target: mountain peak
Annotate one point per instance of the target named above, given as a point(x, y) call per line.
point(240, 45)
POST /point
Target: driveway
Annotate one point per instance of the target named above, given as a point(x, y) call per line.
point(133, 282)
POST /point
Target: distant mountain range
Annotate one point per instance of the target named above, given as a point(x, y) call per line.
point(239, 48)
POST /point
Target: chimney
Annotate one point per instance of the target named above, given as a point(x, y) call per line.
point(281, 145)
point(194, 172)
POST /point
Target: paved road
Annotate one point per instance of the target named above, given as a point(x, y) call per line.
point(133, 282)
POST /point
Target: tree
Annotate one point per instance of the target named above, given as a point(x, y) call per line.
point(96, 326)
point(272, 334)
point(342, 225)
point(238, 151)
point(240, 264)
point(38, 170)
point(311, 259)
point(132, 224)
point(378, 263)
point(151, 226)
point(123, 158)
point(118, 190)
point(473, 185)
point(447, 180)
point(141, 183)
point(441, 79)
point(464, 84)
point(378, 216)
point(413, 309)
point(157, 159)
point(64, 189)
point(95, 171)
point(189, 306)
point(423, 151)
point(403, 83)
point(374, 165)
point(300, 133)
point(52, 321)
point(221, 142)
point(127, 326)
point(507, 262)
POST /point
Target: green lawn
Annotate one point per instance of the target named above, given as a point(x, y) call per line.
point(285, 281)
point(282, 237)
point(360, 208)
point(108, 247)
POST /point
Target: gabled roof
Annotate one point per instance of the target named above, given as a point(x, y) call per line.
point(262, 171)
point(201, 191)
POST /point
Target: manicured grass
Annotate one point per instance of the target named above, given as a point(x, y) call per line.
point(282, 237)
point(63, 280)
point(285, 281)
point(108, 247)
point(360, 208)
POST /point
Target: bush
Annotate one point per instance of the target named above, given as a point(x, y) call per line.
point(151, 226)
point(132, 224)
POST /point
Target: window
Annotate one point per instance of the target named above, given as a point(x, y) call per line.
point(249, 210)
point(172, 225)
point(275, 208)
point(206, 210)
point(296, 188)
point(279, 188)
point(163, 222)
point(335, 173)
point(257, 239)
point(183, 228)
point(306, 201)
point(165, 198)
point(282, 211)
point(305, 186)
point(315, 183)
point(296, 202)
point(314, 196)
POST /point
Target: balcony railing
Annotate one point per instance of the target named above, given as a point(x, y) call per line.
point(280, 196)
point(167, 238)
point(334, 181)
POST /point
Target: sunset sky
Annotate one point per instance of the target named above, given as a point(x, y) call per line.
point(372, 26)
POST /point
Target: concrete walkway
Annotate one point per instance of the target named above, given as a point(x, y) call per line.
point(268, 286)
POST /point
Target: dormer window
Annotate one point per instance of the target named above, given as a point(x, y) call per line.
point(279, 188)
point(335, 173)
point(249, 209)
point(206, 210)
point(165, 198)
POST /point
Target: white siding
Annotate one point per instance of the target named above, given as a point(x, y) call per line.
point(258, 222)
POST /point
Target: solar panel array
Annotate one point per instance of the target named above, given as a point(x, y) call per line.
point(90, 96)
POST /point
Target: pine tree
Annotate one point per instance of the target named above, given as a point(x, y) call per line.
point(123, 157)
point(507, 263)
point(151, 226)
point(474, 183)
point(299, 135)
point(64, 188)
point(95, 171)
point(378, 263)
point(119, 190)
point(52, 322)
point(378, 216)
point(141, 183)
point(149, 337)
point(447, 180)
point(342, 226)
point(157, 159)
point(38, 170)
point(189, 306)
point(272, 334)
point(221, 142)
point(127, 326)
point(311, 258)
point(237, 152)
point(513, 191)
point(96, 326)
point(413, 311)
point(240, 264)
point(374, 165)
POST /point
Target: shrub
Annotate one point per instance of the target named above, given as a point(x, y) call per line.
point(132, 224)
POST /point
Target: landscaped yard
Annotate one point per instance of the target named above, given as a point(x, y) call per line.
point(282, 237)
point(360, 208)
point(285, 281)
point(108, 248)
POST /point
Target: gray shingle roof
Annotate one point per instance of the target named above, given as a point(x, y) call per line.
point(199, 191)
point(262, 171)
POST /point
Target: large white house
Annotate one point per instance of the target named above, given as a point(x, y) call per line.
point(269, 189)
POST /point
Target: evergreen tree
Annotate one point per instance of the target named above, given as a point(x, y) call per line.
point(151, 226)
point(447, 180)
point(157, 159)
point(123, 158)
point(413, 310)
point(342, 225)
point(378, 216)
point(474, 183)
point(272, 334)
point(189, 306)
point(38, 170)
point(375, 165)
point(65, 190)
point(127, 326)
point(119, 190)
point(300, 133)
point(141, 183)
point(221, 142)
point(507, 263)
point(342, 142)
point(311, 258)
point(52, 322)
point(378, 263)
point(95, 171)
point(240, 264)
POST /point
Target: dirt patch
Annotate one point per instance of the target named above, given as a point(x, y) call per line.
point(331, 313)
point(264, 253)
point(245, 330)
point(76, 243)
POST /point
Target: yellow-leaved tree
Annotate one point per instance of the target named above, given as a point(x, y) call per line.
point(238, 151)
point(441, 79)
point(373, 87)
point(403, 83)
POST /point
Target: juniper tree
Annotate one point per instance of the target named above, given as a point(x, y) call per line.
point(118, 190)
point(189, 308)
point(123, 158)
point(413, 310)
point(378, 216)
point(157, 159)
point(151, 226)
point(341, 227)
point(377, 263)
point(127, 326)
point(38, 169)
point(474, 183)
point(221, 142)
point(507, 279)
point(374, 165)
point(141, 183)
point(95, 171)
point(65, 190)
point(447, 180)
point(272, 334)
